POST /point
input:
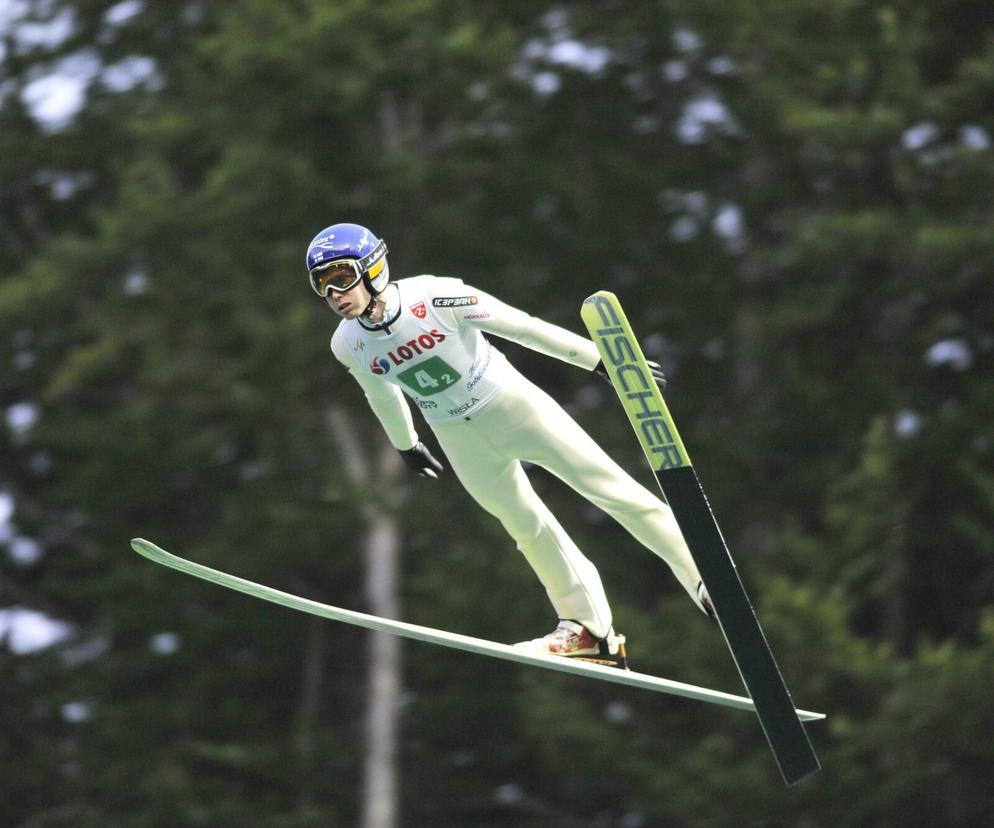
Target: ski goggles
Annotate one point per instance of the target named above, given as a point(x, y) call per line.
point(344, 274)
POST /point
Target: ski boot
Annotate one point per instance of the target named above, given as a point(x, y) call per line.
point(572, 640)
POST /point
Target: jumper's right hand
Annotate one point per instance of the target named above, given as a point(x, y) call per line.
point(421, 460)
point(654, 368)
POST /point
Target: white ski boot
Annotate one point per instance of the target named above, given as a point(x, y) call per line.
point(572, 640)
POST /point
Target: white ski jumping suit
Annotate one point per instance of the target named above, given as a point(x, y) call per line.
point(487, 418)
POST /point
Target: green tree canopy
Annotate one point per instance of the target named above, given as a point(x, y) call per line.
point(791, 200)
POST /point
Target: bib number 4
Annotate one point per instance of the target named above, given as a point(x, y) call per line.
point(429, 377)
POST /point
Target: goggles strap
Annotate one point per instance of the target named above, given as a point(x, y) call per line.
point(373, 256)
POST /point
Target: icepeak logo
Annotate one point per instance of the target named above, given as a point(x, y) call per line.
point(380, 366)
point(454, 301)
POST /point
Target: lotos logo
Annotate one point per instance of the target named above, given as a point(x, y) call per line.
point(419, 310)
point(409, 350)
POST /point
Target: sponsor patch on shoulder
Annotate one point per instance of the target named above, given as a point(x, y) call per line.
point(454, 301)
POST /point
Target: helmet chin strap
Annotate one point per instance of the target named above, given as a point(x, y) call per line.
point(384, 323)
point(373, 296)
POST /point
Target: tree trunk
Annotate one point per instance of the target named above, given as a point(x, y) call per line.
point(381, 549)
point(380, 774)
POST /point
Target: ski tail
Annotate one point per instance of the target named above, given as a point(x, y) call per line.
point(668, 458)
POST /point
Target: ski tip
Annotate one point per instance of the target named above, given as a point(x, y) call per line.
point(142, 546)
point(601, 294)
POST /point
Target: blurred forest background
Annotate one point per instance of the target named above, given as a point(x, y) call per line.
point(793, 201)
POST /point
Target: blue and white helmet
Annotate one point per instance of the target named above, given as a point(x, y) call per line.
point(343, 254)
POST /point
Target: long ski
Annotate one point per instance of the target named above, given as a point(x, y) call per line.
point(447, 639)
point(610, 330)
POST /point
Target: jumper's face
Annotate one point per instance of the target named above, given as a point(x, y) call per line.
point(349, 304)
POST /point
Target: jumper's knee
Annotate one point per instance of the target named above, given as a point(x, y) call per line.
point(525, 528)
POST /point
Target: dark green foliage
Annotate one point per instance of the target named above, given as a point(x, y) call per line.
point(792, 201)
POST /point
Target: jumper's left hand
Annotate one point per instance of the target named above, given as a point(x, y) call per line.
point(654, 367)
point(422, 461)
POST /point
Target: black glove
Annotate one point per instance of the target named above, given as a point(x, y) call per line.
point(420, 459)
point(654, 367)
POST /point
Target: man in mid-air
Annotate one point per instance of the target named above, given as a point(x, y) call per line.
point(423, 336)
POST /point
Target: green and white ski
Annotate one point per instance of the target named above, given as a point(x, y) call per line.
point(447, 639)
point(668, 458)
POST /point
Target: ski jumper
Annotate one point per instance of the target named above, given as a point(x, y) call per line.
point(488, 418)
